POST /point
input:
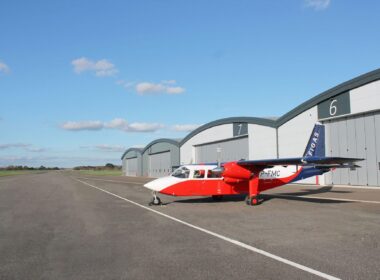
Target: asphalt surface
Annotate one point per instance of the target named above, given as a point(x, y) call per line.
point(53, 226)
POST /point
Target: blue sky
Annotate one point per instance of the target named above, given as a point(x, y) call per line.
point(80, 81)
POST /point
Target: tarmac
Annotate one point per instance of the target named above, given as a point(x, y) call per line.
point(62, 225)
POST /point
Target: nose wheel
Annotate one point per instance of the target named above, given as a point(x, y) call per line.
point(155, 200)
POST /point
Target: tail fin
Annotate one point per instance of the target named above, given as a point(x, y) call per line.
point(316, 145)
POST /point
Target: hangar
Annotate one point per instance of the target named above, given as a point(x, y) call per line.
point(132, 162)
point(230, 139)
point(159, 157)
point(350, 112)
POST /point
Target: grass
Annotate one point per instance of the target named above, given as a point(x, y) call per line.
point(18, 172)
point(101, 172)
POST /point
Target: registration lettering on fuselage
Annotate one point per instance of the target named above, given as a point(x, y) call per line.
point(269, 174)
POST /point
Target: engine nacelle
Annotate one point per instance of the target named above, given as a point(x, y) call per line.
point(234, 173)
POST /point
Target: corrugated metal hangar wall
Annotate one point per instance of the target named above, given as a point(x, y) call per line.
point(132, 162)
point(160, 157)
point(350, 112)
point(354, 131)
point(222, 151)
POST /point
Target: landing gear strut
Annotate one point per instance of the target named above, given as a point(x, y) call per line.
point(155, 200)
point(252, 198)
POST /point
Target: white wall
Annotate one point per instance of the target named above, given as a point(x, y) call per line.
point(294, 135)
point(215, 133)
point(365, 98)
point(262, 142)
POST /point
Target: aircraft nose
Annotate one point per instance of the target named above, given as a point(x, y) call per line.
point(161, 183)
point(154, 185)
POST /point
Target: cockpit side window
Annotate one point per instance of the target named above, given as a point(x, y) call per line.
point(181, 172)
point(199, 174)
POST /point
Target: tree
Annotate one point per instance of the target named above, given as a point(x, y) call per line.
point(110, 165)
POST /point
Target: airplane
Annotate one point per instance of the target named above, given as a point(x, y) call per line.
point(249, 177)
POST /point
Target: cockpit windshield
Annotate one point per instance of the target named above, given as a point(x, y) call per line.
point(181, 172)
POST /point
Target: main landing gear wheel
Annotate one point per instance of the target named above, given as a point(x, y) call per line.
point(217, 197)
point(155, 200)
point(253, 200)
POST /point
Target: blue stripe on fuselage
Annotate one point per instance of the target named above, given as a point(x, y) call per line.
point(308, 171)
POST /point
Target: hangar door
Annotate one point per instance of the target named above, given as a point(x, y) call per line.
point(233, 149)
point(131, 167)
point(159, 165)
point(357, 137)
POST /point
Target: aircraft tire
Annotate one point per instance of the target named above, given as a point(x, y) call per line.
point(155, 201)
point(252, 201)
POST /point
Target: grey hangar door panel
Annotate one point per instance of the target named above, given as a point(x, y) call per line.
point(234, 149)
point(359, 137)
point(131, 167)
point(159, 165)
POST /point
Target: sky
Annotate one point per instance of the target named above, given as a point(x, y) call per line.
point(81, 81)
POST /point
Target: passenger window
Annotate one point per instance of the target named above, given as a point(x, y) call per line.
point(199, 174)
point(213, 174)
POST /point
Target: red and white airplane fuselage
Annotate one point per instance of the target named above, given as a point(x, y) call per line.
point(249, 177)
point(202, 180)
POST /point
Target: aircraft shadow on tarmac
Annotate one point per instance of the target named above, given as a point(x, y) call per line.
point(300, 196)
point(226, 198)
point(327, 189)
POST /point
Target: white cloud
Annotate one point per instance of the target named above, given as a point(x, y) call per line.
point(145, 127)
point(123, 125)
point(125, 83)
point(162, 87)
point(101, 68)
point(139, 146)
point(110, 148)
point(184, 127)
point(35, 149)
point(175, 90)
point(26, 147)
point(118, 123)
point(318, 4)
point(82, 125)
point(146, 87)
point(13, 145)
point(105, 148)
point(4, 68)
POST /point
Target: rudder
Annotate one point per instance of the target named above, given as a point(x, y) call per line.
point(316, 145)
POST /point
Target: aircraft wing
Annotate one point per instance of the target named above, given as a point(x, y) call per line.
point(299, 161)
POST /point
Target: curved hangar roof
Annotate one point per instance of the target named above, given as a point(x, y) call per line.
point(175, 142)
point(252, 120)
point(137, 150)
point(343, 87)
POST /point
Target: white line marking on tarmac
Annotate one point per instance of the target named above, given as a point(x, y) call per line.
point(230, 240)
point(325, 198)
